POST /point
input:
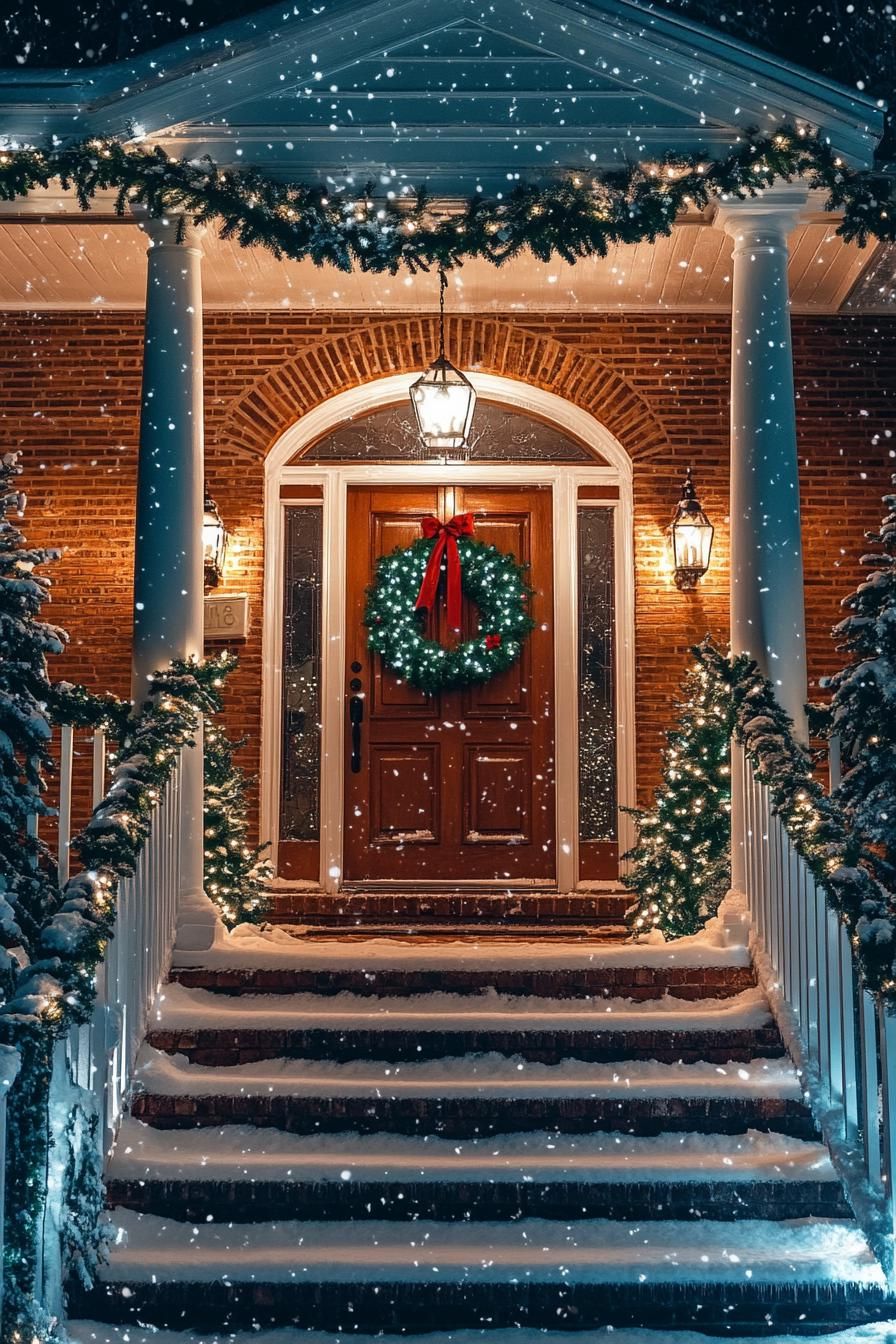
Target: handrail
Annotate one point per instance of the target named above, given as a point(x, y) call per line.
point(842, 1037)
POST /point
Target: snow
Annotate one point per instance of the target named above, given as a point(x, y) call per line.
point(242, 1152)
point(181, 1008)
point(249, 948)
point(92, 1332)
point(812, 1250)
point(480, 1075)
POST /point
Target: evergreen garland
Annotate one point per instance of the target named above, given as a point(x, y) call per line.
point(492, 579)
point(680, 866)
point(581, 216)
point(863, 707)
point(235, 874)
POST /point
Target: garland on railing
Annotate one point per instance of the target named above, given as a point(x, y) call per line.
point(814, 822)
point(581, 216)
point(56, 989)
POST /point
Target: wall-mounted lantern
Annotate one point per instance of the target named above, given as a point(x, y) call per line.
point(442, 398)
point(214, 543)
point(691, 534)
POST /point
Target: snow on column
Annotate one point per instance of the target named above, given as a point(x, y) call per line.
point(767, 599)
point(168, 563)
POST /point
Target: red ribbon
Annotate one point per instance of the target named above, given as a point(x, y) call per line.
point(461, 525)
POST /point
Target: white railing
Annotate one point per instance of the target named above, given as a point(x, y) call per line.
point(94, 1063)
point(841, 1038)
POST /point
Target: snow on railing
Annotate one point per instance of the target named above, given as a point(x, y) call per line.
point(841, 1037)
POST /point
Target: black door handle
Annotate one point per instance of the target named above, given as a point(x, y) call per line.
point(356, 718)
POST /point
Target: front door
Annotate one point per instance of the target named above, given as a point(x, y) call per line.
point(457, 787)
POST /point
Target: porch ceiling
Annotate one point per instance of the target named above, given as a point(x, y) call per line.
point(66, 260)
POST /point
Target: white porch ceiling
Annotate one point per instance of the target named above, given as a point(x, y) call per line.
point(78, 261)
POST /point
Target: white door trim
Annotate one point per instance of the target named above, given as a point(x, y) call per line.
point(564, 479)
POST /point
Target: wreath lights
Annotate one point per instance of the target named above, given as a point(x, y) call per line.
point(580, 216)
point(406, 583)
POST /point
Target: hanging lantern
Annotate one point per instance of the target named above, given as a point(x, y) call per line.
point(443, 399)
point(214, 543)
point(691, 534)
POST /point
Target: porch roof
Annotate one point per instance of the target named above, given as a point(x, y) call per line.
point(462, 95)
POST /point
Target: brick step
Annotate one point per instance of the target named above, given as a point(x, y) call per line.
point(545, 910)
point(260, 1201)
point(464, 1117)
point(400, 1277)
point(224, 1047)
point(474, 1094)
point(632, 981)
point(403, 1308)
point(239, 1174)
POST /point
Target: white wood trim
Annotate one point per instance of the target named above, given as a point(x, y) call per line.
point(563, 479)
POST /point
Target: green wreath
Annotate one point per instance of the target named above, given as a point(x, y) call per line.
point(492, 579)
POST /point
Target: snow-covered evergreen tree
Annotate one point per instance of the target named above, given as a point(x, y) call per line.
point(26, 892)
point(235, 873)
point(863, 707)
point(680, 866)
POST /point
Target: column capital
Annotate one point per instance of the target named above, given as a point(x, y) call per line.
point(173, 229)
point(763, 221)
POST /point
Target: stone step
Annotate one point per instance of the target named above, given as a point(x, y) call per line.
point(212, 1030)
point(406, 1277)
point(547, 912)
point(95, 1332)
point(470, 1095)
point(240, 1174)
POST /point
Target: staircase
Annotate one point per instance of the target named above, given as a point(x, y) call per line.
point(387, 1135)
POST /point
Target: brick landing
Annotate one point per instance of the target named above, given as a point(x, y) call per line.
point(482, 909)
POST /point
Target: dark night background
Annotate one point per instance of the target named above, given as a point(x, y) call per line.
point(850, 40)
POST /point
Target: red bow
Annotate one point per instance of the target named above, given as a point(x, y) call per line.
point(461, 525)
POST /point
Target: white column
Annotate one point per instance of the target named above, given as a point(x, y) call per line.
point(767, 598)
point(168, 563)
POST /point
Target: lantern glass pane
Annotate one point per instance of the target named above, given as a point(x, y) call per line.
point(443, 403)
point(213, 542)
point(692, 542)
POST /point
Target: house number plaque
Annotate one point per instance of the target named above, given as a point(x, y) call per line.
point(226, 616)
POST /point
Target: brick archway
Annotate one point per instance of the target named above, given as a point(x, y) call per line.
point(257, 418)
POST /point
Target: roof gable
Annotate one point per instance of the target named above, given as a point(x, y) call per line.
point(462, 94)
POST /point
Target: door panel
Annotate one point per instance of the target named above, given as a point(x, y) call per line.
point(456, 787)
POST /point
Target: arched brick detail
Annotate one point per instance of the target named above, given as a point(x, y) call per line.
point(256, 419)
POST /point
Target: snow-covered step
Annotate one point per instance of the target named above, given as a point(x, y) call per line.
point(243, 1174)
point(97, 1332)
point(473, 1094)
point(387, 1275)
point(273, 961)
point(216, 1029)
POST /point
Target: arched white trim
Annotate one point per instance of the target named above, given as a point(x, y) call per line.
point(564, 480)
point(512, 392)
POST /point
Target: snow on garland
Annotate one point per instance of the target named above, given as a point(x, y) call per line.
point(581, 216)
point(409, 577)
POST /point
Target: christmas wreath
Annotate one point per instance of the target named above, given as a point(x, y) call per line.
point(407, 583)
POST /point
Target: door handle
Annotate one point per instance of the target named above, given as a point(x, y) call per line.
point(356, 718)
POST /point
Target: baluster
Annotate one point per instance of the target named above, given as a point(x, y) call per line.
point(851, 1065)
point(835, 1007)
point(824, 997)
point(814, 899)
point(99, 766)
point(870, 1084)
point(64, 828)
point(887, 1032)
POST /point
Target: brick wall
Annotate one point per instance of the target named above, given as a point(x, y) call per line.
point(69, 397)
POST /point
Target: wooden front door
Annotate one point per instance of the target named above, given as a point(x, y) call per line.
point(457, 787)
